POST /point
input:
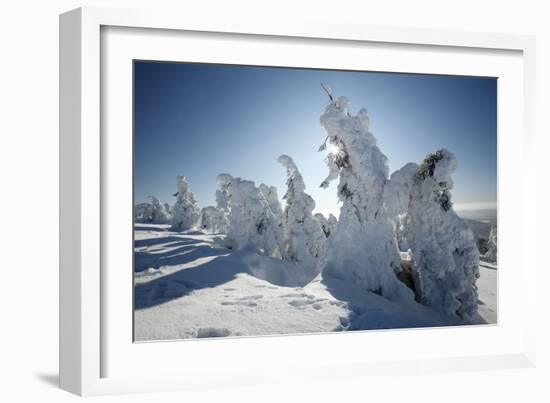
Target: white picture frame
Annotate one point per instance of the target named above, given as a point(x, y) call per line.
point(94, 360)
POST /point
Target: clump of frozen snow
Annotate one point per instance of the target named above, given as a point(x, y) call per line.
point(362, 249)
point(444, 252)
point(303, 238)
point(186, 213)
point(251, 221)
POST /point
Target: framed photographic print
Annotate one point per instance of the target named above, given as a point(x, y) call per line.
point(245, 198)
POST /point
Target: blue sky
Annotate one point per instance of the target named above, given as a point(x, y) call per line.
point(200, 120)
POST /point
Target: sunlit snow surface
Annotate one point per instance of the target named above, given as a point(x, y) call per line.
point(187, 285)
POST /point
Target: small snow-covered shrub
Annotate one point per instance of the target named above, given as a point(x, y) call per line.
point(154, 212)
point(143, 212)
point(491, 254)
point(159, 213)
point(251, 222)
point(186, 213)
point(362, 250)
point(303, 238)
point(444, 251)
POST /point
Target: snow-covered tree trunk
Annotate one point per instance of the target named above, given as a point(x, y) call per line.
point(251, 222)
point(444, 251)
point(491, 254)
point(186, 213)
point(362, 250)
point(303, 238)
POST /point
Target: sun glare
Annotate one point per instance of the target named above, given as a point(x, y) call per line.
point(332, 148)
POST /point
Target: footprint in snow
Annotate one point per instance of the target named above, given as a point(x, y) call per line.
point(293, 295)
point(300, 303)
point(241, 303)
point(204, 332)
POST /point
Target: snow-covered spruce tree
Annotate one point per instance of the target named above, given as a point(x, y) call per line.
point(213, 220)
point(185, 213)
point(159, 215)
point(251, 222)
point(327, 225)
point(397, 193)
point(444, 251)
point(491, 254)
point(272, 197)
point(303, 238)
point(362, 250)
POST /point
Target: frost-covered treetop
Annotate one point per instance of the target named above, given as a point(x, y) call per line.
point(155, 201)
point(434, 177)
point(224, 180)
point(184, 191)
point(363, 167)
point(294, 176)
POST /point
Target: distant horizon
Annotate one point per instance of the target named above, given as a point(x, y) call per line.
point(199, 120)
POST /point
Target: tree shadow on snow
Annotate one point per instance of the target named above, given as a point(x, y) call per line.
point(370, 311)
point(181, 253)
point(162, 241)
point(150, 227)
point(207, 267)
point(214, 266)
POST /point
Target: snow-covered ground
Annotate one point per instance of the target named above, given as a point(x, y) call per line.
point(188, 285)
point(487, 289)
